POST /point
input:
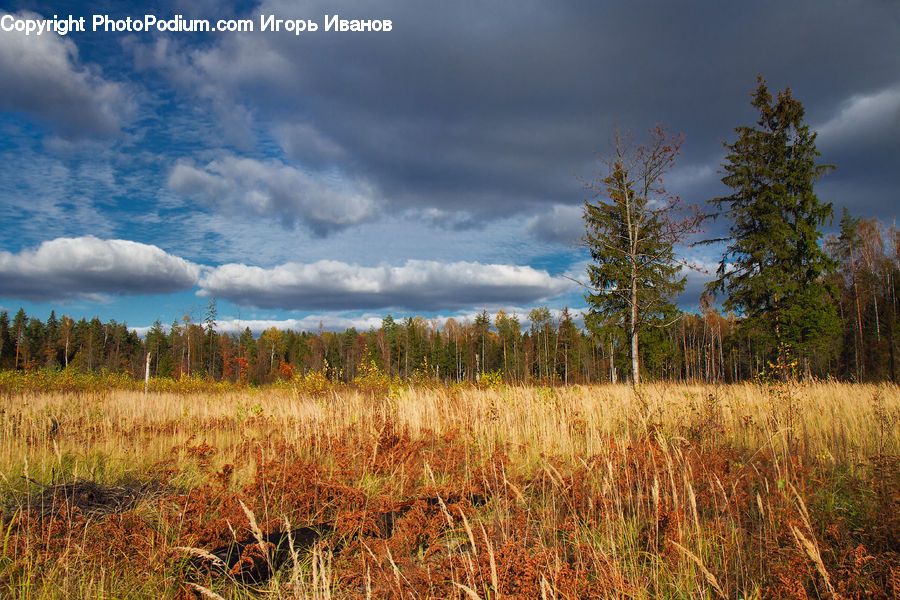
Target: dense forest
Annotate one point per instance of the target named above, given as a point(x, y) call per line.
point(704, 346)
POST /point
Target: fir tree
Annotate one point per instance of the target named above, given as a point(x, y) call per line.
point(51, 339)
point(772, 269)
point(631, 234)
point(18, 328)
point(5, 341)
point(209, 323)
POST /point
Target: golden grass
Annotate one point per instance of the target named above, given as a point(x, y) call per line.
point(130, 429)
point(665, 491)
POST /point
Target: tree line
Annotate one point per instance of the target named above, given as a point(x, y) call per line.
point(707, 345)
point(792, 302)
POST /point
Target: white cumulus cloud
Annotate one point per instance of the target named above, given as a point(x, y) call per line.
point(66, 268)
point(322, 201)
point(416, 285)
point(325, 322)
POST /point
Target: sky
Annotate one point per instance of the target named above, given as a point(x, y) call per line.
point(437, 167)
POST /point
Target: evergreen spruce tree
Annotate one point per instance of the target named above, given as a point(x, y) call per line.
point(51, 340)
point(18, 330)
point(209, 323)
point(631, 234)
point(6, 344)
point(773, 267)
point(482, 329)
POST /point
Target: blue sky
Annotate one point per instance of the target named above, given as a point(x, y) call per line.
point(434, 169)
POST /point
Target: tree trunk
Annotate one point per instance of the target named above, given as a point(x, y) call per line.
point(636, 375)
point(858, 314)
point(147, 374)
point(505, 368)
point(892, 323)
point(612, 362)
point(875, 300)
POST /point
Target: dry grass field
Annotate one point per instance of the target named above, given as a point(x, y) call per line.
point(739, 492)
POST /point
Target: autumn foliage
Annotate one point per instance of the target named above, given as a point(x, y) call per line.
point(763, 491)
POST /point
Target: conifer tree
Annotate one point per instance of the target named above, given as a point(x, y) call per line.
point(209, 323)
point(5, 341)
point(18, 327)
point(631, 234)
point(482, 329)
point(773, 266)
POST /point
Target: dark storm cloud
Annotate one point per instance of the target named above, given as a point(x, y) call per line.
point(863, 141)
point(495, 109)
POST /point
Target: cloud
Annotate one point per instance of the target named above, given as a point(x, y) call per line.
point(497, 114)
point(691, 176)
point(417, 285)
point(43, 77)
point(308, 144)
point(324, 202)
point(187, 68)
point(562, 223)
point(339, 322)
point(447, 135)
point(698, 275)
point(863, 118)
point(85, 267)
point(325, 322)
point(860, 137)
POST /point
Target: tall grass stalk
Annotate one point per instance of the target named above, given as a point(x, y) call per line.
point(665, 491)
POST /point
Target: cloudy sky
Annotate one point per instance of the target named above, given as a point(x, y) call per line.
point(435, 169)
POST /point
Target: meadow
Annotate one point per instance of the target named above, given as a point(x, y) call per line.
point(758, 490)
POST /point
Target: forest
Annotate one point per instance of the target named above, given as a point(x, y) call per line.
point(706, 346)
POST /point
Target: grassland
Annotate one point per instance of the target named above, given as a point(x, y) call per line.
point(747, 491)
